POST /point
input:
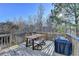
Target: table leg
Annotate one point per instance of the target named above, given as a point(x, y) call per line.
point(33, 44)
point(27, 42)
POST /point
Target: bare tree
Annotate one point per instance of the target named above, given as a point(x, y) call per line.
point(21, 23)
point(8, 27)
point(31, 27)
point(49, 24)
point(40, 14)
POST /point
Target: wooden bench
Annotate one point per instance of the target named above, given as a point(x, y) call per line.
point(39, 44)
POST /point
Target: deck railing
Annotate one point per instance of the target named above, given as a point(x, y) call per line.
point(5, 40)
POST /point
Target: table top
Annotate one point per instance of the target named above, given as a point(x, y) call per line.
point(35, 36)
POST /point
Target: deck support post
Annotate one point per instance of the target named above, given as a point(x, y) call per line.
point(26, 42)
point(32, 44)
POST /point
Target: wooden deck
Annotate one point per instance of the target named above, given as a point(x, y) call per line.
point(21, 50)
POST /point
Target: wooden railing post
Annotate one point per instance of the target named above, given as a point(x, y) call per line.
point(75, 45)
point(10, 39)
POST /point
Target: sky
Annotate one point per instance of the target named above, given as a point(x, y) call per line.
point(10, 10)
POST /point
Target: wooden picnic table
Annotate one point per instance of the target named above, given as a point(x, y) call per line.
point(33, 37)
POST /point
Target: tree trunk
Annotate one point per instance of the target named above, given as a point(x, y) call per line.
point(76, 22)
